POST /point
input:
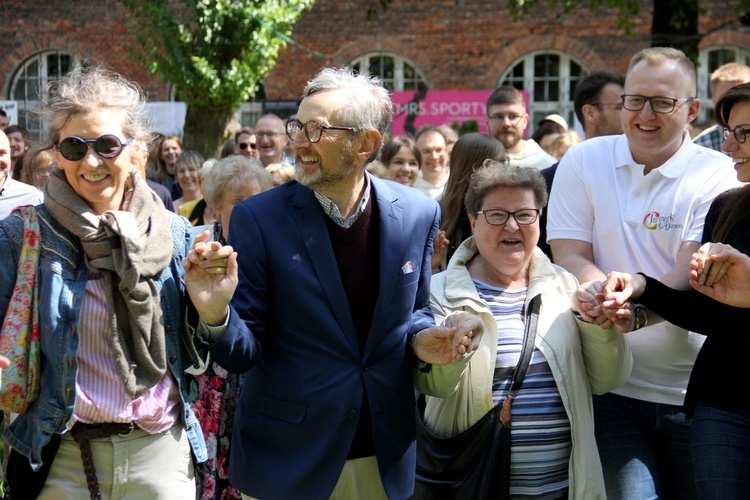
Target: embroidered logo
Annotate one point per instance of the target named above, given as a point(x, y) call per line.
point(654, 221)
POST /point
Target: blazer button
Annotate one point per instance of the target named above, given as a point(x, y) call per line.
point(172, 359)
point(352, 414)
point(366, 366)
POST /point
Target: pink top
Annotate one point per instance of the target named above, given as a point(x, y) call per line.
point(100, 393)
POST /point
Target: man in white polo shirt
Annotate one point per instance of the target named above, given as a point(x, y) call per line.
point(12, 192)
point(637, 202)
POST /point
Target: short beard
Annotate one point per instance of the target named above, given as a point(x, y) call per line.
point(323, 179)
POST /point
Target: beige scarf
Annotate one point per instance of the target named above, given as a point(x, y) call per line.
point(131, 247)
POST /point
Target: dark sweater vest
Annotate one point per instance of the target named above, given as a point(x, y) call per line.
point(357, 254)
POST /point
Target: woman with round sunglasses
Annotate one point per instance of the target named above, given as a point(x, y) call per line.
point(114, 273)
point(718, 398)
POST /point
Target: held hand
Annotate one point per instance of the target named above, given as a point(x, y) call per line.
point(705, 269)
point(211, 278)
point(586, 301)
point(441, 345)
point(4, 362)
point(733, 286)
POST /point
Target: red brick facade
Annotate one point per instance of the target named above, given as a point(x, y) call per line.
point(456, 44)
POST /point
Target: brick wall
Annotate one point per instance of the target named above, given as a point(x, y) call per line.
point(457, 44)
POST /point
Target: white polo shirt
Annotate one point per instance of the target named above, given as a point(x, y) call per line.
point(637, 223)
point(532, 155)
point(14, 194)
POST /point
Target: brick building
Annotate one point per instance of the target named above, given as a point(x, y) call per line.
point(435, 44)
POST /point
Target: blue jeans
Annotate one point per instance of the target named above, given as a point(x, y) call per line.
point(644, 448)
point(721, 453)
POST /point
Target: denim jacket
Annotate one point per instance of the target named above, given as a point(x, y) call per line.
point(62, 280)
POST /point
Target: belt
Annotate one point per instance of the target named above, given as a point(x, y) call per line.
point(83, 433)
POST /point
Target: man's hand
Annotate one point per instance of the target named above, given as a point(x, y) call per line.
point(440, 250)
point(440, 345)
point(586, 301)
point(722, 273)
point(211, 278)
point(618, 294)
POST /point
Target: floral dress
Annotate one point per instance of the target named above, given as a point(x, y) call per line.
point(214, 396)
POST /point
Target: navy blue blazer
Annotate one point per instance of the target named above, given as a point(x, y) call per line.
point(291, 327)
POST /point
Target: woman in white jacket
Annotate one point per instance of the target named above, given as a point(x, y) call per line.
point(495, 274)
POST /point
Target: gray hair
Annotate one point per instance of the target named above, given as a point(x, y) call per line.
point(93, 89)
point(368, 105)
point(494, 174)
point(231, 172)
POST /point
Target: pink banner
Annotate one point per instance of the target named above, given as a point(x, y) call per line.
point(438, 107)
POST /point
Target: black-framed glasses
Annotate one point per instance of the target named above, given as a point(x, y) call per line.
point(313, 130)
point(512, 117)
point(244, 145)
point(497, 217)
point(74, 148)
point(740, 134)
point(659, 104)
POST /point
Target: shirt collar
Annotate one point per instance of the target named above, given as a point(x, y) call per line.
point(332, 210)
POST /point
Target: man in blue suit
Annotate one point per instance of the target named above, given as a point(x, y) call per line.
point(332, 311)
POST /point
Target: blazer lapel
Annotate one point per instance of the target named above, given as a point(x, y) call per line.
point(310, 221)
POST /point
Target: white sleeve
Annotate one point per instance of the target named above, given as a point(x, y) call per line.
point(571, 211)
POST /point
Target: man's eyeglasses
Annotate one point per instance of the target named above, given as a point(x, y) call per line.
point(244, 145)
point(740, 134)
point(659, 104)
point(495, 217)
point(512, 118)
point(313, 130)
point(74, 148)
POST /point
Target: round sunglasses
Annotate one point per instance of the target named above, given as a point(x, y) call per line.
point(74, 148)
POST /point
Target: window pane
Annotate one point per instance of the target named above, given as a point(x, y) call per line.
point(376, 66)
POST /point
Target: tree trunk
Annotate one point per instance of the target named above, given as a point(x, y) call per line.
point(206, 128)
point(675, 24)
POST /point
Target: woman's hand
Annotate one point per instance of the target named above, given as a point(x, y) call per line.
point(211, 278)
point(730, 283)
point(440, 250)
point(586, 302)
point(440, 345)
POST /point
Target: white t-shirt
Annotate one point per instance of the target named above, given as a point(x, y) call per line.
point(532, 155)
point(434, 191)
point(637, 223)
point(14, 194)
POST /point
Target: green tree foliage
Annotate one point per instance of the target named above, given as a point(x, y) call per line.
point(215, 52)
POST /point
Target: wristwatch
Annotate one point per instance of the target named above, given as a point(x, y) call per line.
point(641, 317)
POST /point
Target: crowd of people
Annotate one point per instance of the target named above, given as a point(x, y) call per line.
point(262, 324)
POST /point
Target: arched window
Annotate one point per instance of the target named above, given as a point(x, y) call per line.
point(398, 73)
point(709, 60)
point(550, 78)
point(30, 81)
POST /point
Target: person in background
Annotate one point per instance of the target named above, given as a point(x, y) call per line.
point(38, 165)
point(722, 79)
point(186, 175)
point(245, 143)
point(548, 130)
point(402, 158)
point(13, 193)
point(563, 142)
point(281, 173)
point(161, 169)
point(495, 274)
point(433, 171)
point(269, 132)
point(469, 153)
point(642, 210)
point(4, 120)
point(332, 312)
point(507, 120)
point(451, 136)
point(20, 141)
point(225, 183)
point(115, 271)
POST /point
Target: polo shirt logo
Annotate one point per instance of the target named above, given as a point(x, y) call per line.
point(655, 221)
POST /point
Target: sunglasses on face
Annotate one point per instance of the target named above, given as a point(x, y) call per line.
point(75, 149)
point(245, 145)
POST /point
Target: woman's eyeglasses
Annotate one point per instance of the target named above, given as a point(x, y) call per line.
point(75, 149)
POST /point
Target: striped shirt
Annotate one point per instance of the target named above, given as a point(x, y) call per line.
point(100, 393)
point(540, 441)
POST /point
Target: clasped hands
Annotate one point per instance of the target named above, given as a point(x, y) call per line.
point(458, 336)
